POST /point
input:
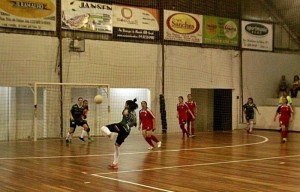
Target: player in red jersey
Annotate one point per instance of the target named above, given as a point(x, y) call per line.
point(182, 111)
point(147, 123)
point(285, 111)
point(191, 120)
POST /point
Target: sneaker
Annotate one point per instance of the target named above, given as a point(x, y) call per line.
point(67, 141)
point(193, 135)
point(113, 166)
point(284, 140)
point(82, 139)
point(150, 148)
point(159, 144)
point(91, 139)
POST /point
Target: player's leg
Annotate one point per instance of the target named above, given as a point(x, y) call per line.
point(182, 127)
point(109, 130)
point(188, 127)
point(148, 138)
point(251, 124)
point(122, 135)
point(154, 138)
point(71, 131)
point(284, 132)
point(193, 128)
point(84, 129)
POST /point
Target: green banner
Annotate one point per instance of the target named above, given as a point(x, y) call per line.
point(220, 31)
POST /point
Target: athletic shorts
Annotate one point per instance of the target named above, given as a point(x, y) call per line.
point(284, 122)
point(122, 131)
point(77, 122)
point(182, 121)
point(147, 128)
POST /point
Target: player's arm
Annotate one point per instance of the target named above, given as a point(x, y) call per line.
point(292, 113)
point(257, 110)
point(189, 111)
point(277, 112)
point(71, 113)
point(153, 118)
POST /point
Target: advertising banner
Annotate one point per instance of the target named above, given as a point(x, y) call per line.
point(135, 22)
point(185, 27)
point(257, 36)
point(25, 14)
point(220, 31)
point(87, 16)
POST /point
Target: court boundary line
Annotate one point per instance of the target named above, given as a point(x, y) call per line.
point(141, 152)
point(132, 183)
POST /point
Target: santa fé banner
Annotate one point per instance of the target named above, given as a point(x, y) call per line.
point(220, 31)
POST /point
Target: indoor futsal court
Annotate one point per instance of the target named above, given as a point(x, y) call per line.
point(212, 161)
point(150, 95)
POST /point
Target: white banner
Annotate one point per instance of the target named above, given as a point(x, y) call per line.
point(257, 36)
point(25, 14)
point(135, 22)
point(184, 27)
point(86, 16)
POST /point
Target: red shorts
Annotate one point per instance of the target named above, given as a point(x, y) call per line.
point(284, 121)
point(182, 121)
point(147, 128)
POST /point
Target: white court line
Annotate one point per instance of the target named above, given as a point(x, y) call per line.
point(135, 153)
point(132, 183)
point(199, 164)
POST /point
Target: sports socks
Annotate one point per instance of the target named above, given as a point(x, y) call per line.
point(116, 155)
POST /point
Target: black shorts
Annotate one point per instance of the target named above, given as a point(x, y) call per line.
point(77, 122)
point(249, 117)
point(122, 131)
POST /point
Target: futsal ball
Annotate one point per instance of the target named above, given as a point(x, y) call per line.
point(98, 99)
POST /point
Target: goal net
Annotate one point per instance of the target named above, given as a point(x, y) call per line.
point(53, 102)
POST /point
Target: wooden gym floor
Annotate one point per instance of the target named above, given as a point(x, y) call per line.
point(219, 161)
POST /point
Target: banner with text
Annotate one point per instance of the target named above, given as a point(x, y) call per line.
point(24, 14)
point(220, 31)
point(135, 22)
point(87, 16)
point(184, 27)
point(257, 36)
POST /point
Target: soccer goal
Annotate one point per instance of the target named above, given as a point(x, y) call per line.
point(53, 102)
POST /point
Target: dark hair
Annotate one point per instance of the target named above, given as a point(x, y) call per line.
point(144, 102)
point(132, 104)
point(79, 98)
point(85, 100)
point(250, 98)
point(180, 97)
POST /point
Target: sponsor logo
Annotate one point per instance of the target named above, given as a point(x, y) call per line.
point(211, 27)
point(230, 29)
point(183, 23)
point(89, 5)
point(28, 8)
point(257, 29)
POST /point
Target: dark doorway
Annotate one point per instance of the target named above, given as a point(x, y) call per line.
point(222, 110)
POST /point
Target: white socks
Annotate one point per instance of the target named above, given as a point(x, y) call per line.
point(82, 133)
point(116, 155)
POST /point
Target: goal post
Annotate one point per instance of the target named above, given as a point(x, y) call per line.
point(53, 101)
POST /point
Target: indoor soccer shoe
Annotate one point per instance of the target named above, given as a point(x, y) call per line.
point(159, 144)
point(113, 166)
point(150, 148)
point(82, 139)
point(91, 139)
